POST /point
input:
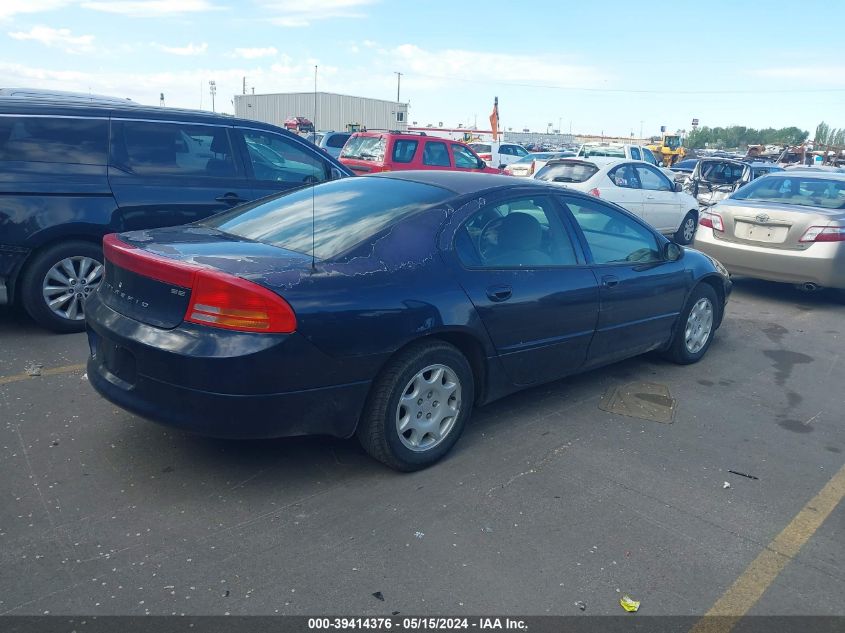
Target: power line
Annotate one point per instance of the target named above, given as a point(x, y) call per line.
point(625, 90)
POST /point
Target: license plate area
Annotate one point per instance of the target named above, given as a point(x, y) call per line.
point(118, 360)
point(770, 233)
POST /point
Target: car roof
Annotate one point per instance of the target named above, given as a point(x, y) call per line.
point(72, 104)
point(459, 182)
point(598, 161)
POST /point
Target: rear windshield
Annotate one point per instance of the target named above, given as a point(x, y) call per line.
point(567, 172)
point(364, 148)
point(346, 213)
point(797, 190)
point(613, 152)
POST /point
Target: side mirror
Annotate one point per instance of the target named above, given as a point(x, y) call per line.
point(672, 252)
point(678, 187)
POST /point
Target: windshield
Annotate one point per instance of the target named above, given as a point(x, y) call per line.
point(567, 172)
point(613, 152)
point(481, 148)
point(672, 142)
point(364, 148)
point(346, 212)
point(797, 190)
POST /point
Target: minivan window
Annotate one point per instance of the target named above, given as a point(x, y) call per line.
point(337, 140)
point(364, 148)
point(345, 213)
point(59, 140)
point(275, 158)
point(172, 149)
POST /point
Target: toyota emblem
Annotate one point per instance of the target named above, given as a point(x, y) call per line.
point(762, 217)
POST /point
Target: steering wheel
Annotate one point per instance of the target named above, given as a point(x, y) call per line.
point(484, 244)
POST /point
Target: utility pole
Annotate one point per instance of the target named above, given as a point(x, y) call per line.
point(212, 88)
point(244, 90)
point(641, 129)
point(398, 84)
point(315, 100)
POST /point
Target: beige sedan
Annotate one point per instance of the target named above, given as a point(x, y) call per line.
point(786, 226)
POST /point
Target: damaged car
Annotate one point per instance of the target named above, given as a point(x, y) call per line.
point(386, 307)
point(714, 179)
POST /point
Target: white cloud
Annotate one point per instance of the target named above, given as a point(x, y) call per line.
point(434, 69)
point(58, 38)
point(255, 53)
point(299, 13)
point(9, 8)
point(190, 49)
point(149, 8)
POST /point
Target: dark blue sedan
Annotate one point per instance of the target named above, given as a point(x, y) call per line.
point(387, 306)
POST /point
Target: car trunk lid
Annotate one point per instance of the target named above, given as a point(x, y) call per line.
point(779, 226)
point(154, 276)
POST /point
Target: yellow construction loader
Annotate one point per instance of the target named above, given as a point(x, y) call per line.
point(669, 151)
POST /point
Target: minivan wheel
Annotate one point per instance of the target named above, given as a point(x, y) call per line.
point(686, 232)
point(696, 326)
point(57, 282)
point(418, 406)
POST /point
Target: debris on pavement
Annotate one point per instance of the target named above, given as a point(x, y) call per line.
point(378, 596)
point(581, 605)
point(629, 604)
point(726, 485)
point(33, 369)
point(734, 472)
point(419, 534)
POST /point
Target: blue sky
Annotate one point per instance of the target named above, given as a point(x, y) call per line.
point(610, 66)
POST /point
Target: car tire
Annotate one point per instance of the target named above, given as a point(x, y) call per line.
point(696, 326)
point(61, 259)
point(686, 232)
point(434, 364)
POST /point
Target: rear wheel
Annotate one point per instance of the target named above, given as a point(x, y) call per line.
point(686, 232)
point(696, 326)
point(57, 283)
point(418, 406)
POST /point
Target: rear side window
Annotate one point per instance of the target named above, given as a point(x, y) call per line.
point(436, 155)
point(404, 150)
point(54, 140)
point(345, 212)
point(337, 140)
point(172, 149)
point(635, 153)
point(567, 172)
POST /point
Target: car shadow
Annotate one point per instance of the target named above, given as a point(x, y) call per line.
point(761, 289)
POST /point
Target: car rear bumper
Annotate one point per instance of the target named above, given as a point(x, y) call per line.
point(222, 389)
point(822, 263)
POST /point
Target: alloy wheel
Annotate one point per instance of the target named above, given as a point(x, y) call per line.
point(68, 284)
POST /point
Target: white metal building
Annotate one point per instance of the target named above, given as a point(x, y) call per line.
point(333, 111)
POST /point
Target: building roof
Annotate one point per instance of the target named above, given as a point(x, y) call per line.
point(311, 94)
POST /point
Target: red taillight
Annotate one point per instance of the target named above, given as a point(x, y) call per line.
point(533, 165)
point(217, 298)
point(824, 234)
point(711, 220)
point(595, 192)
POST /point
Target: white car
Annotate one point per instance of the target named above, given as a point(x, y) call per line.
point(637, 186)
point(616, 150)
point(499, 153)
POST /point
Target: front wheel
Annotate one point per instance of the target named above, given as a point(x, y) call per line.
point(686, 232)
point(418, 406)
point(57, 283)
point(696, 326)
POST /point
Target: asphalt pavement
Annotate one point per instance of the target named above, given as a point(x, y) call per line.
point(548, 503)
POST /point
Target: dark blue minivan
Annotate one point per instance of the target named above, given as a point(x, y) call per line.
point(73, 169)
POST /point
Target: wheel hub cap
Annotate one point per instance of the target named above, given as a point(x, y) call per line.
point(428, 408)
point(68, 284)
point(699, 325)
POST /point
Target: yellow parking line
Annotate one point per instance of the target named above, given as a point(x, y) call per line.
point(761, 573)
point(52, 371)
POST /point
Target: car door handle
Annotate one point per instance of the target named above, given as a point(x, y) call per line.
point(610, 281)
point(649, 197)
point(498, 294)
point(230, 198)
